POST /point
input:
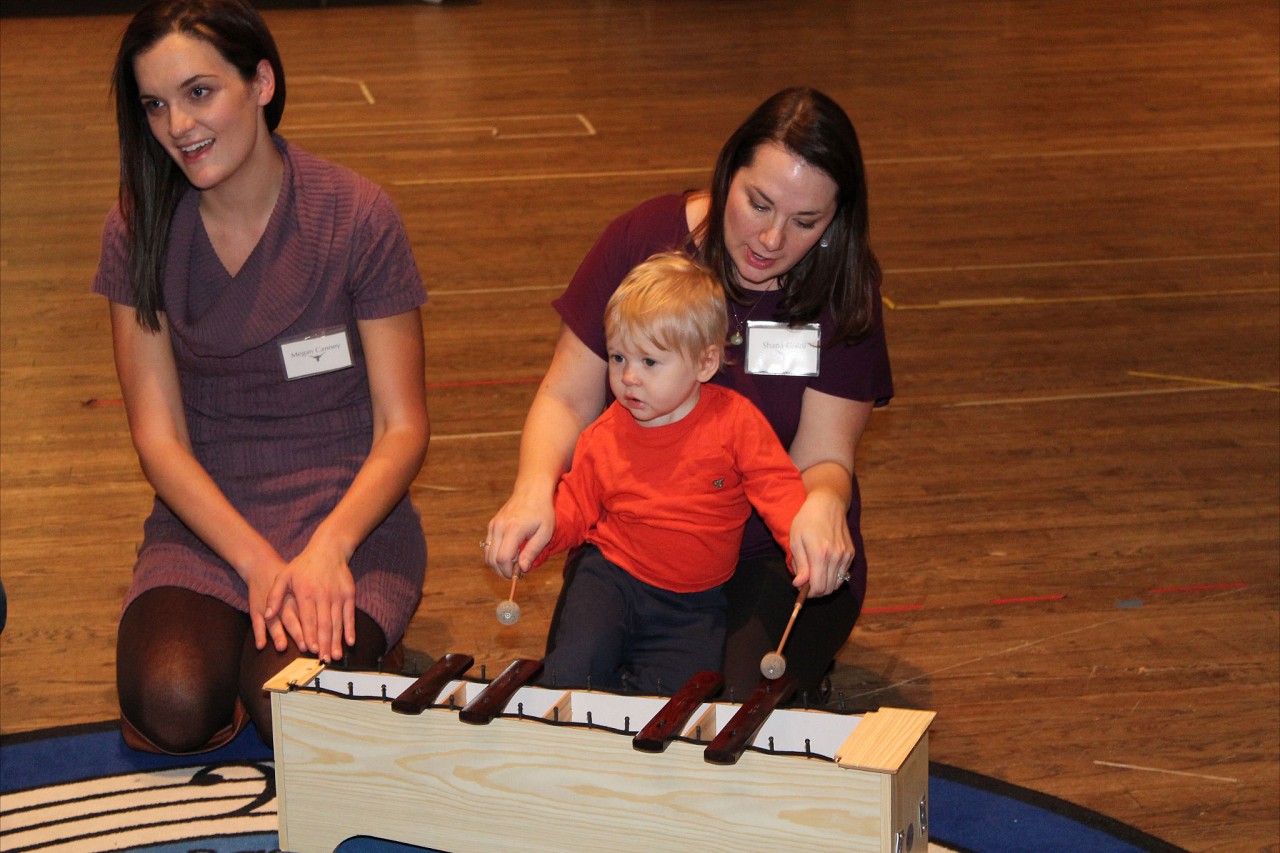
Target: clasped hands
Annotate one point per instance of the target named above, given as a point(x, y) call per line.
point(310, 600)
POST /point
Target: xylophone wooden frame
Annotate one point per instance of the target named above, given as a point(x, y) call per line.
point(543, 778)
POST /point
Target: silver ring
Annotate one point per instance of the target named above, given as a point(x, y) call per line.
point(843, 577)
point(485, 544)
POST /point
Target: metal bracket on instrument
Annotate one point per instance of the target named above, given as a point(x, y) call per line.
point(419, 695)
point(493, 699)
point(669, 722)
point(727, 747)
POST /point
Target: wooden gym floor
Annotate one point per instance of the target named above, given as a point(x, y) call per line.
point(1073, 503)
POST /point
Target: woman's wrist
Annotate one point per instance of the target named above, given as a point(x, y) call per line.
point(828, 481)
point(329, 540)
point(535, 487)
point(259, 558)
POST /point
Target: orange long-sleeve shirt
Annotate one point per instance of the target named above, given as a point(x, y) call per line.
point(668, 504)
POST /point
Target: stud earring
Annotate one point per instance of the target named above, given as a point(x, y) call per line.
point(824, 243)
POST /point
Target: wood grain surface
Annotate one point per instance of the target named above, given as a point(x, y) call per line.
point(1072, 506)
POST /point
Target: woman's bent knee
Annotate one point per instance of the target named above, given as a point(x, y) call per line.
point(175, 715)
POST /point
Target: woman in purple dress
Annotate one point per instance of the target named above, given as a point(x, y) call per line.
point(265, 313)
point(784, 225)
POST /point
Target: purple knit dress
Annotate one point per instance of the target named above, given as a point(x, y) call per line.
point(282, 451)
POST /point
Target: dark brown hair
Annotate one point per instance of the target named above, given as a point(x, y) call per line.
point(150, 182)
point(844, 275)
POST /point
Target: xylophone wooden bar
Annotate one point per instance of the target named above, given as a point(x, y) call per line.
point(669, 723)
point(557, 771)
point(728, 745)
point(423, 692)
point(494, 699)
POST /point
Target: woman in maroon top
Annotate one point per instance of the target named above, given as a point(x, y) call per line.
point(265, 318)
point(784, 225)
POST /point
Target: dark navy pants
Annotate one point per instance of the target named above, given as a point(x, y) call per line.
point(614, 632)
point(759, 600)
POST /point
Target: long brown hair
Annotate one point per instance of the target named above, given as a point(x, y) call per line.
point(150, 182)
point(842, 276)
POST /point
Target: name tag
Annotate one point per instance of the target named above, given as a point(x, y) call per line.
point(322, 351)
point(776, 349)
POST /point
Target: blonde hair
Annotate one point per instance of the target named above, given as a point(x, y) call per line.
point(672, 301)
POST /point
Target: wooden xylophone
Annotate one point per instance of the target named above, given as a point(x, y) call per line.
point(468, 766)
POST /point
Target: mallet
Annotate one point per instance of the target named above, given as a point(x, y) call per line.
point(509, 611)
point(773, 665)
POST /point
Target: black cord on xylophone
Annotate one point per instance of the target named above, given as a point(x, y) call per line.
point(325, 691)
point(315, 687)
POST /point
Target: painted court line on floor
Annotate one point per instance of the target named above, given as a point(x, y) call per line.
point(303, 79)
point(1218, 383)
point(980, 658)
point(1167, 772)
point(1032, 301)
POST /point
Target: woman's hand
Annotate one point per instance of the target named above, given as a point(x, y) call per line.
point(518, 533)
point(821, 548)
point(318, 588)
point(276, 624)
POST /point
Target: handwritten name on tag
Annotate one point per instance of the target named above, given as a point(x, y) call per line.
point(776, 349)
point(323, 351)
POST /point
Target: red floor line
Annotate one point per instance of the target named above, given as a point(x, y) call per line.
point(1028, 599)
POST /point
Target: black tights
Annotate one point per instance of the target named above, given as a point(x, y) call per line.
point(183, 659)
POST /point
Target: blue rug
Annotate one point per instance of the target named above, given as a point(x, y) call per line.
point(81, 788)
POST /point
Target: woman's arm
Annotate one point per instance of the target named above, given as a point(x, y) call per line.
point(824, 449)
point(571, 396)
point(319, 579)
point(158, 426)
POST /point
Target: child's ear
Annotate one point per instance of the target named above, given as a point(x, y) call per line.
point(709, 363)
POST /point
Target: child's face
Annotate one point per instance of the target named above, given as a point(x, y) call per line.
point(658, 387)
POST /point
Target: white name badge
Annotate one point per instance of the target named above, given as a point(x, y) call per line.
point(776, 349)
point(322, 351)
